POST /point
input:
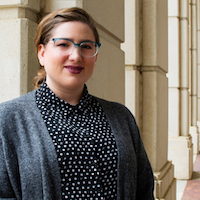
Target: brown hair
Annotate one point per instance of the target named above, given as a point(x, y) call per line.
point(51, 21)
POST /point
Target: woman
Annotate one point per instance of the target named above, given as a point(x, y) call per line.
point(58, 141)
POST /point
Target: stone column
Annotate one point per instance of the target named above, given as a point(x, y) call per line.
point(180, 142)
point(108, 80)
point(198, 64)
point(193, 80)
point(147, 85)
point(17, 54)
point(155, 95)
point(133, 58)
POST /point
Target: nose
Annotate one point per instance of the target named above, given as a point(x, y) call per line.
point(75, 55)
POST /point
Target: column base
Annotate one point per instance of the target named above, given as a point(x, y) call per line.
point(165, 183)
point(198, 125)
point(195, 139)
point(180, 151)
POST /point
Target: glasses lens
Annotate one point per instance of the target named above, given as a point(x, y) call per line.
point(88, 49)
point(64, 47)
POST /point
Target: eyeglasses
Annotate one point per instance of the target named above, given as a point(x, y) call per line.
point(65, 46)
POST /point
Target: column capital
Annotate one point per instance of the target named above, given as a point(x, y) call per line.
point(30, 4)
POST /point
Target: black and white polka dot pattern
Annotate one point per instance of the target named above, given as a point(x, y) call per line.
point(85, 145)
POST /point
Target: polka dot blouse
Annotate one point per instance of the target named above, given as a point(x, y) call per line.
point(85, 145)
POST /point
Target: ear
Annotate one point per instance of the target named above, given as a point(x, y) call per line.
point(95, 58)
point(41, 52)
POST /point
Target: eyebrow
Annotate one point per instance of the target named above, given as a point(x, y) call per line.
point(59, 15)
point(75, 42)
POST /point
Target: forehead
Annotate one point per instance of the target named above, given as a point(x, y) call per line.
point(73, 30)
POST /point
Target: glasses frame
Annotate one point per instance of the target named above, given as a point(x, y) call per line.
point(79, 45)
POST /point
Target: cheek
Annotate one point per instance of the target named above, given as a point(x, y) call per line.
point(54, 60)
point(90, 62)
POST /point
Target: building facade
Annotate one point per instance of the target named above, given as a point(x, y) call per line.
point(149, 61)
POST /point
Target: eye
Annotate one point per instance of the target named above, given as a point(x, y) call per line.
point(86, 46)
point(62, 43)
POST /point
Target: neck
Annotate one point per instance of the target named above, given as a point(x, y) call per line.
point(71, 96)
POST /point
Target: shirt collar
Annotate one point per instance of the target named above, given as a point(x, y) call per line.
point(49, 99)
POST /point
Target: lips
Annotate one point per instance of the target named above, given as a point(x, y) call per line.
point(74, 69)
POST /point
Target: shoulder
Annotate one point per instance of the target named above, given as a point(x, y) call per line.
point(114, 107)
point(17, 114)
point(17, 104)
point(26, 97)
point(117, 112)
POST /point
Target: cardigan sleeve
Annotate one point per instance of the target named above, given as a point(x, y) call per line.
point(6, 190)
point(145, 180)
point(8, 184)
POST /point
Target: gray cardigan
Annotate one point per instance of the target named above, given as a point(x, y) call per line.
point(28, 161)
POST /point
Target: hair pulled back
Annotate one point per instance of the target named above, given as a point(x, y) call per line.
point(50, 22)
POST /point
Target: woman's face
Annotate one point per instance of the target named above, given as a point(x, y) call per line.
point(67, 72)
